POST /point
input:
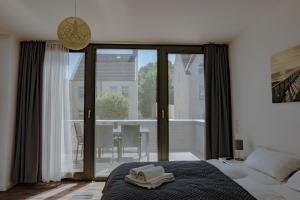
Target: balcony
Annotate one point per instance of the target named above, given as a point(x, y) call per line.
point(126, 88)
point(186, 142)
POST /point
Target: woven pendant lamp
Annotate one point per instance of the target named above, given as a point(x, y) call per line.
point(74, 33)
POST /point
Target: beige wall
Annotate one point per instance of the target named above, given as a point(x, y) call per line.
point(8, 96)
point(256, 118)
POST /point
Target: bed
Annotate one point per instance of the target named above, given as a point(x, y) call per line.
point(200, 180)
point(194, 180)
point(258, 184)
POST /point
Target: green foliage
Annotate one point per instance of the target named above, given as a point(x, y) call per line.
point(147, 89)
point(147, 77)
point(112, 106)
point(171, 84)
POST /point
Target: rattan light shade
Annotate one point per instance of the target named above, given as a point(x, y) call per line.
point(74, 33)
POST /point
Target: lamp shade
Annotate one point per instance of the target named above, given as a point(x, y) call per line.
point(239, 144)
point(74, 33)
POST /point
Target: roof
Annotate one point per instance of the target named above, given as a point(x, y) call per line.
point(111, 67)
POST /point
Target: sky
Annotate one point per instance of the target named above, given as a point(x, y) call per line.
point(144, 56)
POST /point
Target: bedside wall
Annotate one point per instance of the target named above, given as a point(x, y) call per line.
point(255, 118)
point(9, 50)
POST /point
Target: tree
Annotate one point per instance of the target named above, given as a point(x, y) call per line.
point(112, 106)
point(170, 82)
point(147, 77)
point(147, 89)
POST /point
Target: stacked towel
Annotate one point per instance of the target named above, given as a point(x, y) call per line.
point(149, 176)
point(134, 172)
point(150, 173)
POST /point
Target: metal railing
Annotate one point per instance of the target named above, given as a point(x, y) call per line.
point(185, 134)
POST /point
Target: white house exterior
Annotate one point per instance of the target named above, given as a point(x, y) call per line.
point(115, 73)
point(188, 81)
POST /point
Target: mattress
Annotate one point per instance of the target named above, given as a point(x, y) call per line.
point(259, 185)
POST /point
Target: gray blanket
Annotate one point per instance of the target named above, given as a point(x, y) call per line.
point(193, 180)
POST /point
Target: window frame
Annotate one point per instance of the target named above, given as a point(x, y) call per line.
point(162, 98)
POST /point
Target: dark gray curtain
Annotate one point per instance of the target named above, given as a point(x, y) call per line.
point(217, 102)
point(27, 163)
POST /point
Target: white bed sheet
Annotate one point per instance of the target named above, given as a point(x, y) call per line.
point(251, 173)
point(260, 185)
point(285, 191)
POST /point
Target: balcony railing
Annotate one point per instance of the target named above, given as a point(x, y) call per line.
point(186, 142)
point(184, 133)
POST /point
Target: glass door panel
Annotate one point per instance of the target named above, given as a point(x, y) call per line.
point(76, 71)
point(125, 108)
point(186, 106)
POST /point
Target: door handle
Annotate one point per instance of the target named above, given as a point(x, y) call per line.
point(89, 114)
point(163, 113)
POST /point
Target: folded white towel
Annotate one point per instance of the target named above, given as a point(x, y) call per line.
point(134, 172)
point(152, 183)
point(150, 173)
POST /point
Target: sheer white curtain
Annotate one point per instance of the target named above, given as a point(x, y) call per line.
point(57, 157)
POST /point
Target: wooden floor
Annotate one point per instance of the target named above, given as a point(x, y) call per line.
point(51, 191)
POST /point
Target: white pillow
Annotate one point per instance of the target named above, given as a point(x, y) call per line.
point(294, 181)
point(235, 173)
point(276, 164)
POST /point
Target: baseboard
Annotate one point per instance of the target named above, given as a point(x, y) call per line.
point(6, 187)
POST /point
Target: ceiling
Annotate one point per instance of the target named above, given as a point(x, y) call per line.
point(136, 21)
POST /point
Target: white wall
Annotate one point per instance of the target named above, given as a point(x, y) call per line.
point(260, 122)
point(8, 95)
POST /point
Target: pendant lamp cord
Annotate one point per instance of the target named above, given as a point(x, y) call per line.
point(75, 8)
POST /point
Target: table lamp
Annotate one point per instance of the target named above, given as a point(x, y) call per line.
point(239, 146)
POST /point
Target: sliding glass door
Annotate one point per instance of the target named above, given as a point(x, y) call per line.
point(135, 103)
point(186, 106)
point(76, 80)
point(125, 108)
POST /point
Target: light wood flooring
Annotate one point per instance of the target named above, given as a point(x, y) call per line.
point(55, 191)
